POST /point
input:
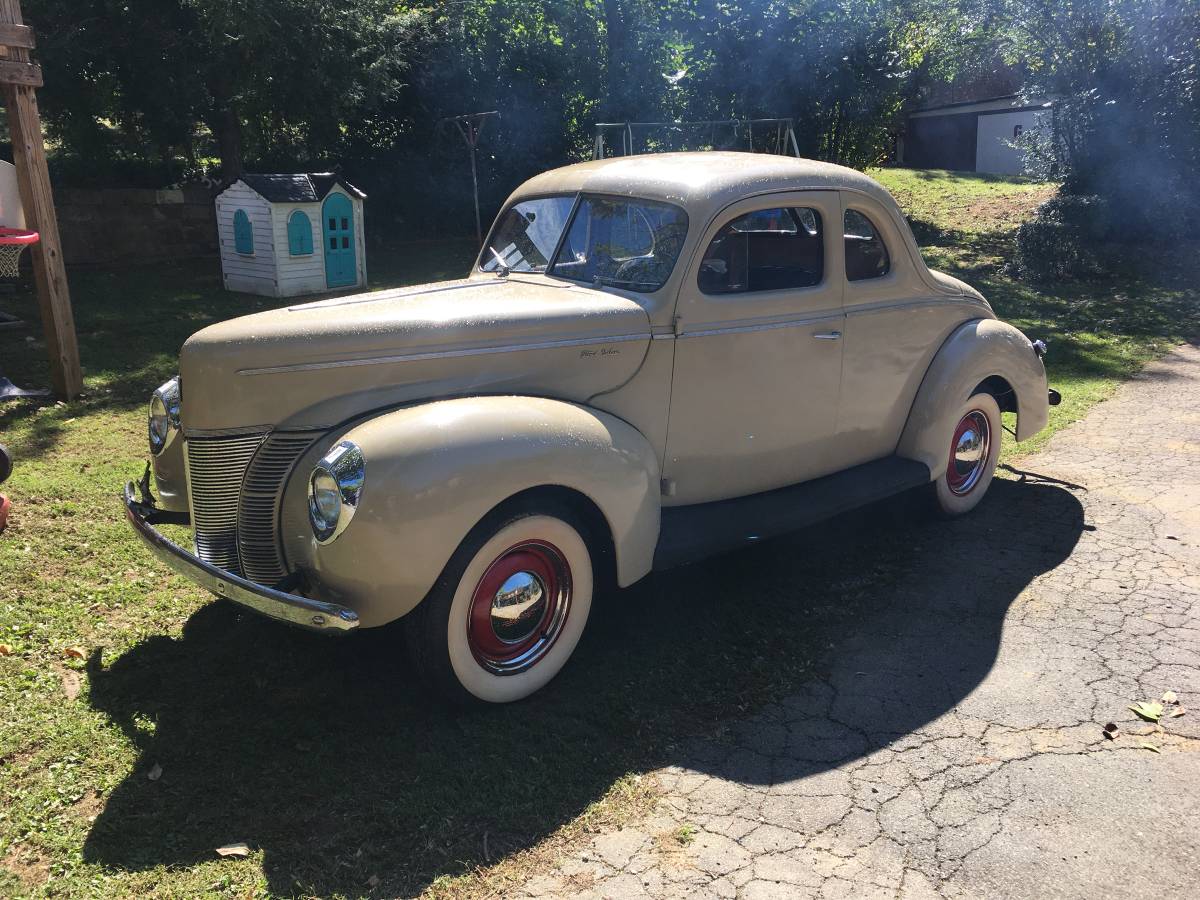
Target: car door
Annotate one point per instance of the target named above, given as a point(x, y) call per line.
point(895, 324)
point(758, 350)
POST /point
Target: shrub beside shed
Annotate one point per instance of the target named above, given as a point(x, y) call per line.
point(286, 235)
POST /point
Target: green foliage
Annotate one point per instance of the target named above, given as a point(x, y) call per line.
point(1125, 78)
point(175, 84)
point(1064, 238)
point(153, 91)
point(163, 79)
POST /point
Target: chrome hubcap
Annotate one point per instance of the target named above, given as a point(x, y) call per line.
point(518, 607)
point(969, 452)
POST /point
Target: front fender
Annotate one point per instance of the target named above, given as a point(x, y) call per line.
point(974, 352)
point(433, 471)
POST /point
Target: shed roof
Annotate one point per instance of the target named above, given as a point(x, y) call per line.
point(308, 187)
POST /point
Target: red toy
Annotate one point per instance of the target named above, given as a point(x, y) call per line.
point(5, 471)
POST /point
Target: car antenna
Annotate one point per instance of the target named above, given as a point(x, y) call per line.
point(502, 268)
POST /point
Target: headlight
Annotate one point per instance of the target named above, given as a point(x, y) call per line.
point(164, 415)
point(334, 489)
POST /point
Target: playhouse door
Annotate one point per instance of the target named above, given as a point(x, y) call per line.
point(341, 267)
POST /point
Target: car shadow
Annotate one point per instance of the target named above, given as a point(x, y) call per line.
point(322, 754)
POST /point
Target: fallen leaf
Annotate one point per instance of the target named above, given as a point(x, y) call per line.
point(155, 773)
point(74, 653)
point(1176, 712)
point(1151, 711)
point(233, 850)
point(1170, 697)
point(1111, 731)
point(1150, 747)
point(5, 650)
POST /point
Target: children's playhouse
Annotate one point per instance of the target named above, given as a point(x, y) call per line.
point(286, 235)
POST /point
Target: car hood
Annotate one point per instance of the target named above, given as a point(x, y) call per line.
point(318, 364)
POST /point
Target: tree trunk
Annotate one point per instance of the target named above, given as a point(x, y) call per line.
point(228, 129)
point(614, 62)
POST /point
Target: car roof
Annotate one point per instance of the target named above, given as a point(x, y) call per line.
point(704, 182)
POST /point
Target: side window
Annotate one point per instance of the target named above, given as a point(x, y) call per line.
point(866, 254)
point(243, 233)
point(300, 234)
point(766, 250)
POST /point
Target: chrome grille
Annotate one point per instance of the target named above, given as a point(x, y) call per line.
point(258, 515)
point(216, 467)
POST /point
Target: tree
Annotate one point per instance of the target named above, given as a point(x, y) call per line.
point(276, 77)
point(1125, 79)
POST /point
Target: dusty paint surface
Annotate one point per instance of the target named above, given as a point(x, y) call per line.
point(954, 747)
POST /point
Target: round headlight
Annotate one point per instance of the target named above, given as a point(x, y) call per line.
point(164, 415)
point(334, 490)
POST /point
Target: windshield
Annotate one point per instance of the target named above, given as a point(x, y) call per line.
point(622, 242)
point(527, 234)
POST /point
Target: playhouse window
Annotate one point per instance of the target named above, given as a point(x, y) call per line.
point(300, 234)
point(243, 233)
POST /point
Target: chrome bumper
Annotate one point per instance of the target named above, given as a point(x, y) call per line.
point(314, 615)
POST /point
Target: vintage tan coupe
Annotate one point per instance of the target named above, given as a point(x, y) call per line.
point(655, 359)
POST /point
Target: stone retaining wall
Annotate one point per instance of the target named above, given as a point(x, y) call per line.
point(130, 226)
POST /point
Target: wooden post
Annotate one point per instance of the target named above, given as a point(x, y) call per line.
point(20, 80)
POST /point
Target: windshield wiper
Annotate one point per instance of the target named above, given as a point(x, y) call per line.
point(616, 282)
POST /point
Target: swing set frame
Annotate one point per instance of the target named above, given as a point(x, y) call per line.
point(778, 135)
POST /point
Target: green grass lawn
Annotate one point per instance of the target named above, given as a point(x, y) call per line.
point(145, 726)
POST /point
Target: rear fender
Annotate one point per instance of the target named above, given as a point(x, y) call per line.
point(974, 352)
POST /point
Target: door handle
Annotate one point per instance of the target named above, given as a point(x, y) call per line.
point(827, 336)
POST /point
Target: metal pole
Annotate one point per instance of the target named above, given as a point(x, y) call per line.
point(475, 188)
point(470, 133)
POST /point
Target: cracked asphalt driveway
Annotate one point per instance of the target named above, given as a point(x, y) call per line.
point(954, 745)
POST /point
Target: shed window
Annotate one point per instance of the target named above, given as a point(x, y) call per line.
point(243, 233)
point(866, 254)
point(766, 250)
point(300, 234)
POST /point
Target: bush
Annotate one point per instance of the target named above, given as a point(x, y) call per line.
point(1065, 238)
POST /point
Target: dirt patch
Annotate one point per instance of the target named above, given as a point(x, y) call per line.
point(90, 805)
point(72, 681)
point(28, 865)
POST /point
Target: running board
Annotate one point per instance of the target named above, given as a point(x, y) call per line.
point(691, 533)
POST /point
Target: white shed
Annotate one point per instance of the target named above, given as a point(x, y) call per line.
point(973, 136)
point(286, 235)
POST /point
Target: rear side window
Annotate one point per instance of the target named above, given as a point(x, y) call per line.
point(766, 250)
point(866, 254)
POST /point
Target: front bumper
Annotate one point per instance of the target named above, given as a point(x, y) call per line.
point(314, 615)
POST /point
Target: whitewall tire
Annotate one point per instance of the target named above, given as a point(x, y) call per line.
point(973, 447)
point(508, 611)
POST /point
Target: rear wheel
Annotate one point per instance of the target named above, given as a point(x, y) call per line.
point(974, 447)
point(510, 607)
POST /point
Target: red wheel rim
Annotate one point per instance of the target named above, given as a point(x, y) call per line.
point(970, 449)
point(519, 607)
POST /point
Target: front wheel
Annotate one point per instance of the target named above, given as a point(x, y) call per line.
point(508, 610)
point(974, 448)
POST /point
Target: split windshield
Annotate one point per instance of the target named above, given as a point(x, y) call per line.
point(621, 242)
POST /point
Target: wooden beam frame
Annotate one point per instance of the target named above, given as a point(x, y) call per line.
point(19, 80)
